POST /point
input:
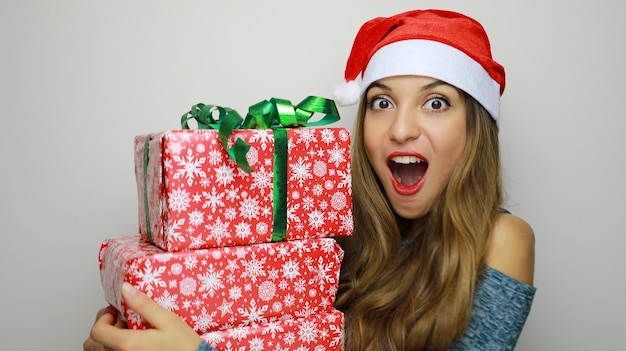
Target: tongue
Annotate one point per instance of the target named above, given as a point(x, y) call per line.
point(411, 173)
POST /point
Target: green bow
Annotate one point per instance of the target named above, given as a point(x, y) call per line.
point(274, 114)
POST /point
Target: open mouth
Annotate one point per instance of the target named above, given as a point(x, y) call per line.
point(407, 170)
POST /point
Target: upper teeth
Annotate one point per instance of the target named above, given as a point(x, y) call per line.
point(406, 159)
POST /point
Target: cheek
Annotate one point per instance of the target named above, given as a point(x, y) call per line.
point(372, 145)
point(454, 151)
point(459, 145)
point(369, 139)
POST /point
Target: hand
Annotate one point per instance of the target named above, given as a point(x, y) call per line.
point(168, 332)
point(111, 312)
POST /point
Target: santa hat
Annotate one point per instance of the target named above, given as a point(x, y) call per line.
point(444, 45)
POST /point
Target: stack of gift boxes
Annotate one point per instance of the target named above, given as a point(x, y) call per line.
point(208, 249)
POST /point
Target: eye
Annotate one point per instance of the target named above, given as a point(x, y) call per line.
point(380, 103)
point(437, 103)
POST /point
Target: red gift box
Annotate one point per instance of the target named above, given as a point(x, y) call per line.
point(226, 287)
point(193, 195)
point(316, 332)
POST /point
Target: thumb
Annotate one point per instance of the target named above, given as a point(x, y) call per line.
point(147, 308)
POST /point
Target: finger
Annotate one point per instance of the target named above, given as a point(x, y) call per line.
point(111, 312)
point(107, 335)
point(106, 318)
point(109, 309)
point(121, 323)
point(90, 345)
point(101, 331)
point(142, 304)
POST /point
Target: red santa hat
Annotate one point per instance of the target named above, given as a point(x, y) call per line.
point(444, 45)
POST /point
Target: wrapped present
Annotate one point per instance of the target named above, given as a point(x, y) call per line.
point(322, 331)
point(193, 194)
point(226, 287)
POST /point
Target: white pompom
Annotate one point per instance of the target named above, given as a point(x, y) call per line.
point(347, 93)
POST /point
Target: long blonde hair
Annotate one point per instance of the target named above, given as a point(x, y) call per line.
point(419, 297)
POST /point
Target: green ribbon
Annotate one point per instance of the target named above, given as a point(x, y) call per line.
point(226, 121)
point(146, 149)
point(281, 144)
point(276, 114)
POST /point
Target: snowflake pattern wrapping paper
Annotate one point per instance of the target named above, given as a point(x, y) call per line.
point(228, 287)
point(193, 195)
point(321, 332)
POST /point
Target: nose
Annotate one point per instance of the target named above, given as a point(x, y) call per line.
point(405, 126)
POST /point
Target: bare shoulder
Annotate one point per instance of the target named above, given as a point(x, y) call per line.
point(511, 248)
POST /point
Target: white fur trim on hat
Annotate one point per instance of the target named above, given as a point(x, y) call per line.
point(436, 60)
point(347, 93)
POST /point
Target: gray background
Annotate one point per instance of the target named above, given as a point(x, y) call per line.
point(79, 79)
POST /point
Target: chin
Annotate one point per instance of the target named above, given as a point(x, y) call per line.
point(409, 213)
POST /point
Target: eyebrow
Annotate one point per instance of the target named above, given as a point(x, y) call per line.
point(434, 85)
point(378, 85)
point(424, 88)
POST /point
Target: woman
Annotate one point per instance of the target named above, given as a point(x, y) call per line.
point(434, 263)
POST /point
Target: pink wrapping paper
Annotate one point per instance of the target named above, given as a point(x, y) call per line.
point(318, 332)
point(198, 197)
point(227, 287)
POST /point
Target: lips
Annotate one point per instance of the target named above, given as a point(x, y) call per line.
point(407, 172)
